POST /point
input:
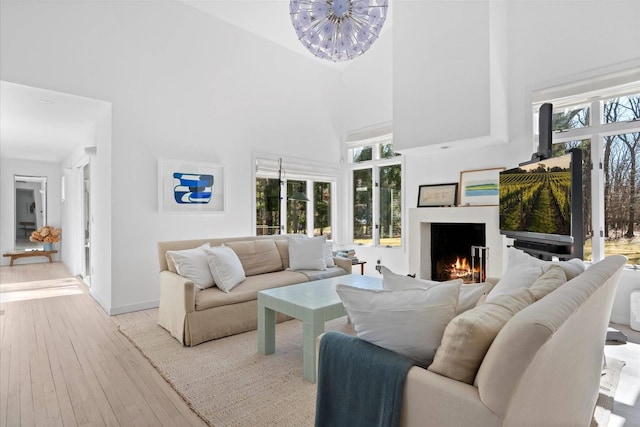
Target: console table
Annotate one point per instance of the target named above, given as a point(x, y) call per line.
point(27, 254)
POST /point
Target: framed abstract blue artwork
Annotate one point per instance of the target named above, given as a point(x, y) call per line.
point(190, 187)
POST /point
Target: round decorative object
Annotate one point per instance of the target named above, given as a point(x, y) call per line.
point(47, 246)
point(338, 30)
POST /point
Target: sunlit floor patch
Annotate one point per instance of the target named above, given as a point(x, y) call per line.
point(40, 289)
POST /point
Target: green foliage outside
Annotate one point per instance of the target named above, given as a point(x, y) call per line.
point(620, 166)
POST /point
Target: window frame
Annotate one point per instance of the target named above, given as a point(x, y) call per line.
point(375, 164)
point(296, 170)
point(596, 131)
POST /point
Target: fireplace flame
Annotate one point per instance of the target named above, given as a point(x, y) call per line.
point(461, 269)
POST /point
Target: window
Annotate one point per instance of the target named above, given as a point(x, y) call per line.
point(304, 203)
point(376, 177)
point(607, 129)
point(267, 206)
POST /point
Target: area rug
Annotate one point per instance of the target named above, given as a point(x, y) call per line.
point(608, 384)
point(228, 383)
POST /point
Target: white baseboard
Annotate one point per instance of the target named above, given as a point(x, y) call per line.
point(133, 307)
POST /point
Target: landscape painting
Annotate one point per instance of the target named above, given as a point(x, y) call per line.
point(480, 187)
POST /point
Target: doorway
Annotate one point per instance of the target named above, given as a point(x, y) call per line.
point(30, 210)
point(86, 223)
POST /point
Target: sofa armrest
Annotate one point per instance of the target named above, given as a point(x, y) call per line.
point(344, 263)
point(442, 401)
point(177, 299)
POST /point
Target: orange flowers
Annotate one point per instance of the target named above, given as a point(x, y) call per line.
point(46, 234)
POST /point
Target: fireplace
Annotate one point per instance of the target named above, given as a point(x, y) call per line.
point(419, 236)
point(458, 251)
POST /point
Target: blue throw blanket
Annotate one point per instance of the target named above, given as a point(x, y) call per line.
point(359, 384)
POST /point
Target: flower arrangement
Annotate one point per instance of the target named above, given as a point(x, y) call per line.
point(46, 234)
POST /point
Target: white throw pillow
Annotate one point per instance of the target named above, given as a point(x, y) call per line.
point(192, 264)
point(469, 296)
point(225, 267)
point(410, 321)
point(307, 254)
point(517, 276)
point(572, 267)
point(396, 282)
point(328, 255)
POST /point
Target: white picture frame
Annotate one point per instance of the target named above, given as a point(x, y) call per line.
point(191, 187)
point(480, 187)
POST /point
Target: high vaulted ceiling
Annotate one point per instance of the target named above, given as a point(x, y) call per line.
point(44, 125)
point(268, 19)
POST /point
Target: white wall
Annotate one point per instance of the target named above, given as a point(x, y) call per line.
point(449, 80)
point(183, 85)
point(9, 168)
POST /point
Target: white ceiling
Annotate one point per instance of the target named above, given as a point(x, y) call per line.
point(31, 129)
point(39, 124)
point(268, 19)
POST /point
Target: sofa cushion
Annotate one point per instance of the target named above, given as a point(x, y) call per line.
point(395, 282)
point(225, 267)
point(247, 290)
point(257, 256)
point(468, 298)
point(469, 335)
point(517, 276)
point(410, 321)
point(192, 264)
point(283, 249)
point(328, 254)
point(470, 295)
point(548, 282)
point(571, 268)
point(307, 253)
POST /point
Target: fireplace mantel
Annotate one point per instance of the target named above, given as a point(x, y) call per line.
point(420, 220)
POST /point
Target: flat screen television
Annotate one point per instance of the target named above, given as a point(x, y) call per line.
point(541, 204)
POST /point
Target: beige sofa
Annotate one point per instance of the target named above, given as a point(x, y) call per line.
point(542, 369)
point(193, 317)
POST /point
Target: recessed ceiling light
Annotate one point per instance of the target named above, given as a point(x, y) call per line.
point(47, 101)
point(444, 147)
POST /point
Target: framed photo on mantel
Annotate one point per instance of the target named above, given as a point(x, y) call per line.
point(437, 195)
point(480, 187)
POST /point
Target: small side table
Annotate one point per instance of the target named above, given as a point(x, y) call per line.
point(361, 264)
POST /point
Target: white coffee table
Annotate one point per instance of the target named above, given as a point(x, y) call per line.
point(312, 302)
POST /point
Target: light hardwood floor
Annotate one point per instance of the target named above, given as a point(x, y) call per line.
point(63, 361)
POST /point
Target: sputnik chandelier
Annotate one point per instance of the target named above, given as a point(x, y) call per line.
point(338, 30)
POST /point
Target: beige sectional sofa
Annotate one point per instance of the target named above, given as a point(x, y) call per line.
point(542, 369)
point(194, 316)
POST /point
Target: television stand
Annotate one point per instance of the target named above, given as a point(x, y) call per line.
point(544, 250)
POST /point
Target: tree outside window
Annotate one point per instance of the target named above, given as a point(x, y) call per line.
point(620, 154)
point(297, 217)
point(376, 195)
point(322, 209)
